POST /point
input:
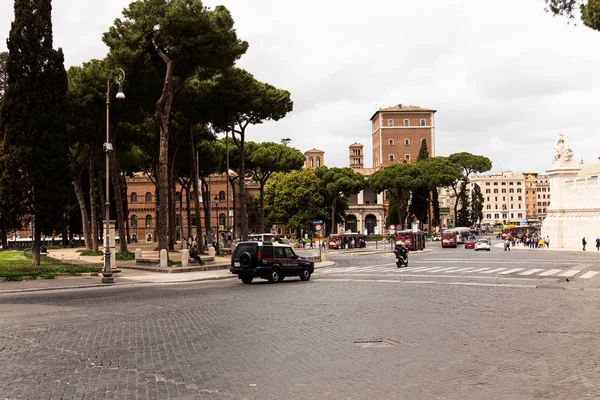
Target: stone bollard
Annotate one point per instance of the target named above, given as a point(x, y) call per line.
point(185, 257)
point(163, 259)
point(138, 253)
point(211, 251)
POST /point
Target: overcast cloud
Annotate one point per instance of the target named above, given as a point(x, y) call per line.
point(504, 76)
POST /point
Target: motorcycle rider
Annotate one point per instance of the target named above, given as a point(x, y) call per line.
point(401, 252)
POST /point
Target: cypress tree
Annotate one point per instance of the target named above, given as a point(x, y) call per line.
point(464, 215)
point(420, 197)
point(34, 152)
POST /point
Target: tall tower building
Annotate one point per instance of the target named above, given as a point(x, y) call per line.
point(356, 156)
point(314, 158)
point(397, 133)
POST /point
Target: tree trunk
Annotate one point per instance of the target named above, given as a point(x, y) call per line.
point(163, 113)
point(125, 208)
point(188, 211)
point(242, 191)
point(35, 251)
point(195, 180)
point(93, 205)
point(333, 207)
point(85, 221)
point(236, 227)
point(207, 210)
point(77, 170)
point(262, 207)
point(117, 194)
point(429, 212)
point(172, 209)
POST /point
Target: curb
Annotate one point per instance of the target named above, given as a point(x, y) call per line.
point(143, 282)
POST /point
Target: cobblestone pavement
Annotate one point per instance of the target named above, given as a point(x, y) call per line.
point(338, 336)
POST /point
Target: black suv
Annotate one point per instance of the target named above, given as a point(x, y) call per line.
point(271, 261)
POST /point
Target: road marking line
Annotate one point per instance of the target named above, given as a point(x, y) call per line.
point(498, 285)
point(550, 272)
point(423, 269)
point(443, 269)
point(510, 271)
point(452, 270)
point(494, 270)
point(464, 269)
point(571, 272)
point(589, 274)
point(480, 270)
point(531, 271)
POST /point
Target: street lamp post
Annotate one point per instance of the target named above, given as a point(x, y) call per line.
point(118, 76)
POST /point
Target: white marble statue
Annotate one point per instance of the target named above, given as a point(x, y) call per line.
point(564, 154)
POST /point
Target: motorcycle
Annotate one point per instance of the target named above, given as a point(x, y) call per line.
point(401, 259)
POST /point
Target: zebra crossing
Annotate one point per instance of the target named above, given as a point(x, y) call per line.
point(448, 271)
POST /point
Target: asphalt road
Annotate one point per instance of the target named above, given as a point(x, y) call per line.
point(363, 329)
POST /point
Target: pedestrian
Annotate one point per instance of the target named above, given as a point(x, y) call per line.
point(547, 241)
point(598, 244)
point(583, 242)
point(194, 254)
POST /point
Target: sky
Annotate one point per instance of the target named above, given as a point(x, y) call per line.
point(504, 76)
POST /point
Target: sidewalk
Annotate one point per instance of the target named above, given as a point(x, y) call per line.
point(125, 276)
point(522, 247)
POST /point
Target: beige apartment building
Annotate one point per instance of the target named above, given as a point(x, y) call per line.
point(504, 197)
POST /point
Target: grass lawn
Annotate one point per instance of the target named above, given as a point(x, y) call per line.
point(15, 266)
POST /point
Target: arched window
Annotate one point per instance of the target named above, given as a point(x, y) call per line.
point(351, 223)
point(221, 195)
point(194, 220)
point(318, 161)
point(148, 197)
point(391, 142)
point(222, 219)
point(134, 221)
point(133, 197)
point(370, 223)
point(148, 221)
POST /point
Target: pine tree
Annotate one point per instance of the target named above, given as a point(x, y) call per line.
point(34, 152)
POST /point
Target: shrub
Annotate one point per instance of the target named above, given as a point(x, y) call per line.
point(90, 252)
point(125, 256)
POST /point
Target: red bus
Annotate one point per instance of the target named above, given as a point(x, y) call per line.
point(347, 240)
point(412, 240)
point(513, 231)
point(449, 238)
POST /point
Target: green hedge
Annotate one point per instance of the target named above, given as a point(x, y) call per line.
point(18, 272)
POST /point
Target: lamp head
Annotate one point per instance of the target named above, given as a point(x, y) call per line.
point(120, 95)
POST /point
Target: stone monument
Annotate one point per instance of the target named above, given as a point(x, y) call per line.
point(574, 211)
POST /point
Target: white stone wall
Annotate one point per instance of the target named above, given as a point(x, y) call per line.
point(574, 211)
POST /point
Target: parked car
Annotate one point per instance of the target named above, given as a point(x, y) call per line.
point(469, 243)
point(268, 260)
point(483, 244)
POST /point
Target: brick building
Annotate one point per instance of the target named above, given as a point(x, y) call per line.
point(397, 133)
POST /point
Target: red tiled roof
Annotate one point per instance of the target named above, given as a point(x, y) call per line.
point(403, 108)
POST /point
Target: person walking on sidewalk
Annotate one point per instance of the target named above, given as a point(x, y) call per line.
point(598, 243)
point(583, 242)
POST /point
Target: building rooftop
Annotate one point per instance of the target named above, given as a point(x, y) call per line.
point(402, 108)
point(313, 150)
